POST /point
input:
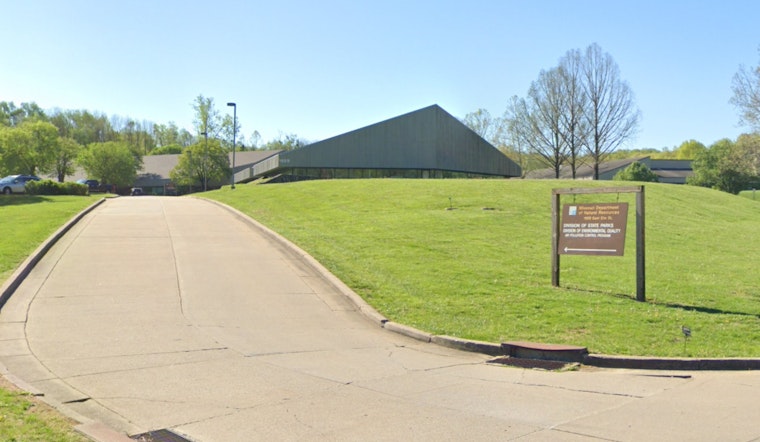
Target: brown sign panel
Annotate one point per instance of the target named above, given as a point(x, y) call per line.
point(593, 229)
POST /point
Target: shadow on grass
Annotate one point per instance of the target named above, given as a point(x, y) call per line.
point(20, 200)
point(688, 308)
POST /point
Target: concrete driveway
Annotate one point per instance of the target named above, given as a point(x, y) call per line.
point(173, 313)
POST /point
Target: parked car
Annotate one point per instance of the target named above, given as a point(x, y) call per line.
point(16, 183)
point(93, 185)
point(136, 191)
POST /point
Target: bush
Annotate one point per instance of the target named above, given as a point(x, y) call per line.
point(636, 172)
point(50, 187)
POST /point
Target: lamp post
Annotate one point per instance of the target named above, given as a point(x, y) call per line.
point(205, 160)
point(234, 132)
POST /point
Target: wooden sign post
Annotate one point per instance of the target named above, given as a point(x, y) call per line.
point(597, 229)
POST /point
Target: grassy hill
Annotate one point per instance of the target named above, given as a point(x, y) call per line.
point(426, 253)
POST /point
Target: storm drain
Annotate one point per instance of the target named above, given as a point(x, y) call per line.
point(159, 436)
point(541, 364)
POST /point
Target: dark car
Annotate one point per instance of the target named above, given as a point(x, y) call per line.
point(16, 183)
point(137, 191)
point(93, 185)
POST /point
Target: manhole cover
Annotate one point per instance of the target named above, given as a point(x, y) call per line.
point(159, 436)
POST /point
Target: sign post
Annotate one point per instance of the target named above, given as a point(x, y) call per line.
point(597, 229)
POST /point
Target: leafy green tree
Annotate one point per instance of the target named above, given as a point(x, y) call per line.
point(688, 150)
point(137, 135)
point(285, 142)
point(747, 154)
point(29, 148)
point(207, 118)
point(203, 164)
point(66, 156)
point(111, 162)
point(636, 171)
point(84, 127)
point(13, 116)
point(718, 167)
point(169, 149)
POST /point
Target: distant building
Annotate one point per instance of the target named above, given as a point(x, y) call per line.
point(667, 171)
point(427, 143)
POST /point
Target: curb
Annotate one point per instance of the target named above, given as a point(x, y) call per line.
point(492, 349)
point(18, 276)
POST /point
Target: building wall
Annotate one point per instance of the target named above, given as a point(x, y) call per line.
point(427, 139)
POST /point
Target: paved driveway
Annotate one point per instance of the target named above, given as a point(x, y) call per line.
point(157, 313)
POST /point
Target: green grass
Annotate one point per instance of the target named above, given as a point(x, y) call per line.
point(486, 274)
point(751, 194)
point(26, 221)
point(24, 418)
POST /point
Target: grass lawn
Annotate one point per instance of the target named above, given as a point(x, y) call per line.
point(486, 274)
point(26, 222)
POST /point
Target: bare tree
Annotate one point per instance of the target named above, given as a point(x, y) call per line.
point(482, 124)
point(611, 114)
point(574, 127)
point(746, 88)
point(536, 122)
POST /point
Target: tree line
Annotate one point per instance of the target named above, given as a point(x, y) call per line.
point(56, 142)
point(582, 112)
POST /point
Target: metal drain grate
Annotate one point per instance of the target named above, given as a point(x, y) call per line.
point(159, 436)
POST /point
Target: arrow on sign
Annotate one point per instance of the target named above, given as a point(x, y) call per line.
point(568, 249)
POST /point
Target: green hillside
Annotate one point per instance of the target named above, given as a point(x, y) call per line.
point(425, 253)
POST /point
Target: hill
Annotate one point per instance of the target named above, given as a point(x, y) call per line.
point(472, 258)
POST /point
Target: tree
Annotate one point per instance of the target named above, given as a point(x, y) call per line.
point(688, 150)
point(29, 148)
point(747, 154)
point(746, 88)
point(636, 171)
point(84, 127)
point(574, 127)
point(489, 128)
point(207, 119)
point(66, 156)
point(202, 164)
point(535, 122)
point(611, 115)
point(285, 142)
point(167, 150)
point(111, 162)
point(13, 116)
point(720, 167)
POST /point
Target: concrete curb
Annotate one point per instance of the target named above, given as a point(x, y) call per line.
point(18, 276)
point(492, 349)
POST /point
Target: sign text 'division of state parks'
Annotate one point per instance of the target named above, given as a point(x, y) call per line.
point(593, 229)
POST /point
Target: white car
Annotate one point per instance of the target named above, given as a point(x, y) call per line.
point(16, 183)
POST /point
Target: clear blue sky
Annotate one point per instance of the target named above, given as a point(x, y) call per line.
point(319, 69)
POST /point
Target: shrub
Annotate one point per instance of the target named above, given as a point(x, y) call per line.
point(636, 172)
point(50, 187)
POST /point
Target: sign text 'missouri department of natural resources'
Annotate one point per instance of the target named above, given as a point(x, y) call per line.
point(593, 229)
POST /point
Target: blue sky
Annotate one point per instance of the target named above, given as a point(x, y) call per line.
point(319, 69)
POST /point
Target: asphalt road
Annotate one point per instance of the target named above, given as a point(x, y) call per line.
point(173, 313)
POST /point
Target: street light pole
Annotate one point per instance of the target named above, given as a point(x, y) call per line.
point(234, 132)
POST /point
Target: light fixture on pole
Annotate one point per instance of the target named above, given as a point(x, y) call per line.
point(234, 132)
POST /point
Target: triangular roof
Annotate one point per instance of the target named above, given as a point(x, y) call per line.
point(426, 139)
